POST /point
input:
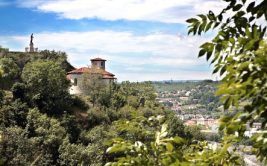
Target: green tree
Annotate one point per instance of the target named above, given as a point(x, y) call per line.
point(19, 90)
point(58, 56)
point(238, 53)
point(93, 85)
point(14, 114)
point(47, 86)
point(10, 72)
point(16, 148)
point(47, 133)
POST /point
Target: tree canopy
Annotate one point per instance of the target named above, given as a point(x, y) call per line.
point(9, 72)
point(47, 86)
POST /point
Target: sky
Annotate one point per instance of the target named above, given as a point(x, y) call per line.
point(140, 39)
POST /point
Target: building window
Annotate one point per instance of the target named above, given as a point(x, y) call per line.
point(102, 64)
point(75, 82)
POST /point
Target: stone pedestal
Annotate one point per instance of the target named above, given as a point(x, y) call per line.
point(31, 47)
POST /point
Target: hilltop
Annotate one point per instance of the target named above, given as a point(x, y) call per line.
point(21, 58)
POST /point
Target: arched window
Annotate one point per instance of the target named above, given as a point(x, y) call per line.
point(75, 82)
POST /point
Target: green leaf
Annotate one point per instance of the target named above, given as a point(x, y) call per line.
point(208, 26)
point(209, 53)
point(201, 52)
point(222, 71)
point(250, 6)
point(252, 18)
point(191, 30)
point(202, 16)
point(220, 17)
point(192, 20)
point(216, 70)
point(201, 28)
point(211, 16)
point(227, 103)
point(169, 147)
point(237, 7)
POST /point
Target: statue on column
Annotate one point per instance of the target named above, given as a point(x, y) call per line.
point(31, 48)
point(31, 38)
point(31, 44)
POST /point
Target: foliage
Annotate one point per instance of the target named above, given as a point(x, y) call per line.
point(72, 127)
point(159, 152)
point(47, 86)
point(22, 58)
point(238, 53)
point(9, 73)
point(14, 114)
point(48, 134)
point(16, 148)
point(77, 154)
point(93, 85)
point(19, 91)
point(96, 117)
point(56, 56)
point(165, 150)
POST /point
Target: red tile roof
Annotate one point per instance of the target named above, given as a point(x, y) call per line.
point(108, 73)
point(105, 74)
point(98, 59)
point(79, 71)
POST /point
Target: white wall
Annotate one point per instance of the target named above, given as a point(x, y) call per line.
point(75, 89)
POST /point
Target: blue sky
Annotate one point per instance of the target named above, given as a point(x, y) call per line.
point(141, 39)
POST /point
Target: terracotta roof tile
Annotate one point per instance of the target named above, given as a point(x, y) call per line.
point(98, 59)
point(105, 74)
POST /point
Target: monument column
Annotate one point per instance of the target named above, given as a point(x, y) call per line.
point(31, 48)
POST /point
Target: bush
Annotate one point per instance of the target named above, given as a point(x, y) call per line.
point(79, 102)
point(97, 117)
point(18, 90)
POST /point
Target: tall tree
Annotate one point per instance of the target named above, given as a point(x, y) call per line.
point(238, 53)
point(10, 72)
point(47, 86)
point(93, 85)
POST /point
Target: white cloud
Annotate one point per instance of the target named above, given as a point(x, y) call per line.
point(128, 55)
point(171, 11)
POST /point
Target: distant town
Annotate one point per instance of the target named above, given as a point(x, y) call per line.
point(195, 103)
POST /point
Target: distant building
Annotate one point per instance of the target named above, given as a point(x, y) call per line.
point(97, 67)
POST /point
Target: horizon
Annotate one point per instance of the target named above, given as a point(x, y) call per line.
point(141, 40)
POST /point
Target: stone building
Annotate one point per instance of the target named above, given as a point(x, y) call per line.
point(97, 67)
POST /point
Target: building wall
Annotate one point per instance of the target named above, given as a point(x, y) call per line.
point(75, 89)
point(98, 64)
